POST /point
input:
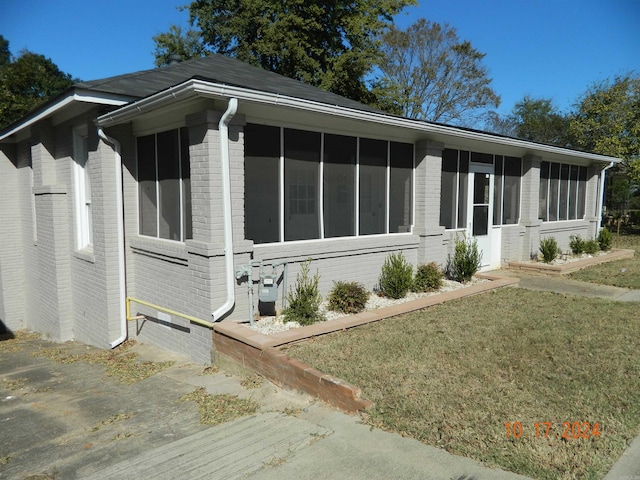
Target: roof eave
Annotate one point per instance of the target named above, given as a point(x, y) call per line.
point(197, 87)
point(56, 105)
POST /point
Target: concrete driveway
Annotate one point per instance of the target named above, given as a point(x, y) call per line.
point(71, 421)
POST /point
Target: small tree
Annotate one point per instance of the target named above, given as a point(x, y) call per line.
point(396, 277)
point(304, 298)
point(466, 261)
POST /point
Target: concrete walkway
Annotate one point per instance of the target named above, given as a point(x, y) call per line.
point(566, 286)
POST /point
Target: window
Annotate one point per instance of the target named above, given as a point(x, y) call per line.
point(339, 186)
point(373, 186)
point(301, 177)
point(562, 192)
point(164, 185)
point(302, 185)
point(82, 183)
point(511, 189)
point(261, 177)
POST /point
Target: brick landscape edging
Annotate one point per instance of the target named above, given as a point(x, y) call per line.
point(539, 267)
point(258, 352)
point(288, 372)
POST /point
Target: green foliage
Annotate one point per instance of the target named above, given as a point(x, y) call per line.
point(27, 82)
point(304, 298)
point(428, 278)
point(174, 42)
point(5, 54)
point(577, 244)
point(605, 238)
point(591, 247)
point(466, 261)
point(348, 297)
point(549, 249)
point(429, 73)
point(607, 120)
point(396, 277)
point(331, 45)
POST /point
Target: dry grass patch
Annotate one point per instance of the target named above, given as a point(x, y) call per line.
point(452, 375)
point(622, 273)
point(13, 383)
point(217, 409)
point(15, 342)
point(119, 363)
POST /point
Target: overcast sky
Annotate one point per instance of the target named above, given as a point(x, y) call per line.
point(543, 48)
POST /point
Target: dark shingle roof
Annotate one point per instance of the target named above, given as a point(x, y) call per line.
point(218, 69)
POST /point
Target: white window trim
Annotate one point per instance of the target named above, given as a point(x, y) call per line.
point(82, 187)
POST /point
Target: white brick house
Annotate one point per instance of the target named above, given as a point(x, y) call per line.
point(159, 185)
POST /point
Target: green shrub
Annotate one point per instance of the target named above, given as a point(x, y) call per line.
point(605, 238)
point(396, 277)
point(428, 278)
point(348, 297)
point(467, 260)
point(576, 243)
point(549, 249)
point(304, 298)
point(591, 247)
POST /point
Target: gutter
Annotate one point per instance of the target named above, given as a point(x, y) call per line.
point(601, 197)
point(120, 235)
point(223, 132)
point(196, 87)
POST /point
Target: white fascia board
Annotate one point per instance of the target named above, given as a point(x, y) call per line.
point(85, 96)
point(203, 88)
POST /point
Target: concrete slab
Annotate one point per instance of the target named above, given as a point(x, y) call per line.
point(571, 287)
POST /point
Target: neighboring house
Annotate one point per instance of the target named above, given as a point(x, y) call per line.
point(159, 185)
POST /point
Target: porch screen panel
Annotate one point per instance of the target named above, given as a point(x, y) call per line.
point(373, 168)
point(169, 184)
point(187, 221)
point(511, 203)
point(400, 187)
point(463, 179)
point(147, 194)
point(543, 205)
point(261, 183)
point(564, 191)
point(449, 188)
point(339, 185)
point(554, 189)
point(497, 190)
point(582, 191)
point(301, 180)
point(573, 191)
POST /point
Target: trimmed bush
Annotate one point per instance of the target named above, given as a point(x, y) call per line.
point(348, 297)
point(467, 260)
point(549, 249)
point(428, 278)
point(605, 238)
point(396, 277)
point(577, 244)
point(304, 298)
point(591, 247)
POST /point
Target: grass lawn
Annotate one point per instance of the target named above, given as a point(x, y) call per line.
point(623, 273)
point(452, 375)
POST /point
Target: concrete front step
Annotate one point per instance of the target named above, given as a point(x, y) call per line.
point(231, 451)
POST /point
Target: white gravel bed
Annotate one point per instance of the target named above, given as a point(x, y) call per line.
point(276, 324)
point(569, 258)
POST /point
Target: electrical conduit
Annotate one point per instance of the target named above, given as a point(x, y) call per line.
point(120, 235)
point(223, 131)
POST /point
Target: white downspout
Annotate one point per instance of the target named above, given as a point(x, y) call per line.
point(601, 197)
point(120, 234)
point(223, 132)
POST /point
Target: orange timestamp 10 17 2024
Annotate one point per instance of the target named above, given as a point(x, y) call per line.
point(570, 430)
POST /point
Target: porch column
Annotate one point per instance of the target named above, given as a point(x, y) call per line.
point(427, 201)
point(529, 207)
